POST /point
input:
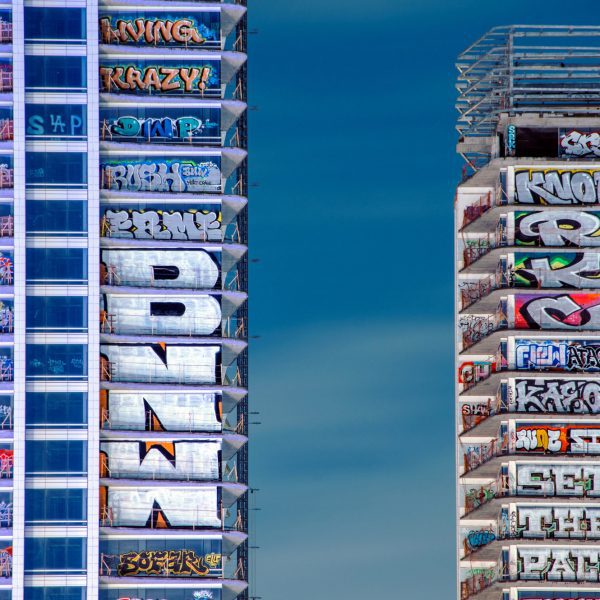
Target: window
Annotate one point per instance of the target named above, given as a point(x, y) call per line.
point(56, 169)
point(55, 457)
point(56, 506)
point(56, 409)
point(49, 73)
point(54, 24)
point(56, 217)
point(167, 309)
point(54, 556)
point(55, 593)
point(56, 361)
point(57, 313)
point(56, 121)
point(64, 265)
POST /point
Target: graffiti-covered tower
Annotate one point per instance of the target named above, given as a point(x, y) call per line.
point(527, 256)
point(123, 300)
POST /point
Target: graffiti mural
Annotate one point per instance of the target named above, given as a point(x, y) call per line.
point(566, 270)
point(159, 363)
point(575, 396)
point(162, 29)
point(169, 77)
point(184, 563)
point(577, 480)
point(557, 439)
point(181, 175)
point(557, 311)
point(579, 144)
point(477, 538)
point(159, 315)
point(566, 355)
point(556, 522)
point(204, 128)
point(154, 411)
point(197, 460)
point(471, 372)
point(558, 564)
point(203, 225)
point(162, 507)
point(556, 188)
point(575, 229)
point(184, 269)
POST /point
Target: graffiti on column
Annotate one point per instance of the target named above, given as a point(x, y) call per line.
point(182, 175)
point(557, 270)
point(557, 187)
point(557, 311)
point(574, 396)
point(147, 77)
point(579, 144)
point(160, 29)
point(189, 224)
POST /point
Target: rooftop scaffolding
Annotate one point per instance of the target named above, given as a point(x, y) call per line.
point(550, 70)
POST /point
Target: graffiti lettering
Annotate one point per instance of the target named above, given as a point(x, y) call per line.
point(533, 186)
point(565, 439)
point(529, 439)
point(474, 498)
point(482, 537)
point(568, 311)
point(558, 564)
point(557, 228)
point(476, 410)
point(163, 225)
point(165, 128)
point(563, 522)
point(576, 143)
point(169, 176)
point(158, 79)
point(163, 562)
point(572, 270)
point(556, 396)
point(557, 480)
point(181, 31)
point(571, 355)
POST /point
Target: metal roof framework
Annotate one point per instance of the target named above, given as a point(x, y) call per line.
point(551, 70)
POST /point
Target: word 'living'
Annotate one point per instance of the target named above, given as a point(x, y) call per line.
point(181, 31)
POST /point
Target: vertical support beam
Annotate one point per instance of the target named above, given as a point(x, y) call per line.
point(93, 197)
point(19, 290)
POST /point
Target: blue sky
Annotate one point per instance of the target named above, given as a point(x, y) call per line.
point(352, 151)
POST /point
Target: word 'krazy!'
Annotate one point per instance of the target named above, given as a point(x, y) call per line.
point(160, 79)
point(181, 31)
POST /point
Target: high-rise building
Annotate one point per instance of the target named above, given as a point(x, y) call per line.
point(123, 288)
point(527, 238)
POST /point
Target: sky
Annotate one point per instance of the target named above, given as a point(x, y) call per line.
point(353, 168)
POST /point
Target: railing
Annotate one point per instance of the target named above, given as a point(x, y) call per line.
point(7, 226)
point(184, 470)
point(474, 211)
point(477, 455)
point(6, 130)
point(6, 369)
point(122, 323)
point(476, 583)
point(226, 375)
point(192, 279)
point(473, 291)
point(6, 79)
point(6, 32)
point(6, 174)
point(477, 497)
point(492, 408)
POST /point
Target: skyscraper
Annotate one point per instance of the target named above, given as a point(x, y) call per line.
point(527, 217)
point(123, 288)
